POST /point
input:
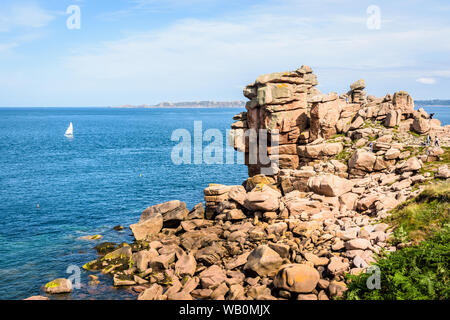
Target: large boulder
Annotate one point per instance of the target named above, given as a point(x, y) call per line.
point(337, 266)
point(421, 125)
point(264, 261)
point(59, 285)
point(154, 292)
point(403, 101)
point(443, 172)
point(330, 185)
point(320, 150)
point(393, 118)
point(212, 277)
point(325, 113)
point(362, 160)
point(148, 227)
point(358, 85)
point(412, 164)
point(299, 278)
point(143, 257)
point(266, 199)
point(238, 194)
point(185, 265)
point(171, 211)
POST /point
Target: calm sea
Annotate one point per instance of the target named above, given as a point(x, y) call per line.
point(117, 164)
point(55, 190)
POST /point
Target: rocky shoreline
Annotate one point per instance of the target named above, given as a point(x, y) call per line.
point(343, 162)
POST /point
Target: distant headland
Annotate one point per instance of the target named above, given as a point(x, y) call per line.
point(191, 104)
point(434, 102)
point(240, 104)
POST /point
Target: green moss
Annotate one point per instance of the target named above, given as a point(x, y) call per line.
point(93, 265)
point(52, 284)
point(105, 247)
point(344, 155)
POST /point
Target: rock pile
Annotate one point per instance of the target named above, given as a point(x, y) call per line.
point(304, 118)
point(344, 162)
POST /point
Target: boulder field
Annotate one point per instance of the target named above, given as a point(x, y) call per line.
point(344, 162)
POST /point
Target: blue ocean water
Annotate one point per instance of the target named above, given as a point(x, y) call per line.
point(117, 164)
point(440, 112)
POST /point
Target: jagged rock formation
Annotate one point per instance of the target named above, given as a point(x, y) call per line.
point(344, 163)
point(305, 118)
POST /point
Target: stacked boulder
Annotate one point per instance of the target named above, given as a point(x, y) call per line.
point(305, 118)
point(344, 163)
point(278, 103)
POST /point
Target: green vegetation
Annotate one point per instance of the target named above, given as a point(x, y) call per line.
point(415, 134)
point(421, 271)
point(417, 219)
point(431, 167)
point(416, 273)
point(344, 155)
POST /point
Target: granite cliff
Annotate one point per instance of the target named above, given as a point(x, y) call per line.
point(342, 164)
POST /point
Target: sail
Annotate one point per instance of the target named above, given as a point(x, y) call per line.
point(69, 131)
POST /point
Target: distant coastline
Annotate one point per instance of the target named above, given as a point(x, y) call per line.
point(190, 104)
point(241, 104)
point(435, 102)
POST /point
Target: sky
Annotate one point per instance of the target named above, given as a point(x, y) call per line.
point(149, 51)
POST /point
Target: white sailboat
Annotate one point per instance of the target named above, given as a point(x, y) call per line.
point(69, 131)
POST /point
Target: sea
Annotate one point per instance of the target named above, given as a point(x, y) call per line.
point(56, 189)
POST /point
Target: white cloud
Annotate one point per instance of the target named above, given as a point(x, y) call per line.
point(25, 15)
point(212, 58)
point(192, 55)
point(7, 46)
point(426, 80)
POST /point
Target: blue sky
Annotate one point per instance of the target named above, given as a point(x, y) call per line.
point(148, 51)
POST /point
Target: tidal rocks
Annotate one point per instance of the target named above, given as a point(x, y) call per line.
point(148, 225)
point(123, 280)
point(143, 258)
point(153, 293)
point(172, 212)
point(298, 278)
point(93, 237)
point(37, 298)
point(186, 265)
point(344, 162)
point(198, 212)
point(57, 286)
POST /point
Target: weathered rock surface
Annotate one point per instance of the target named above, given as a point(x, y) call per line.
point(59, 285)
point(344, 162)
point(264, 261)
point(330, 185)
point(297, 278)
